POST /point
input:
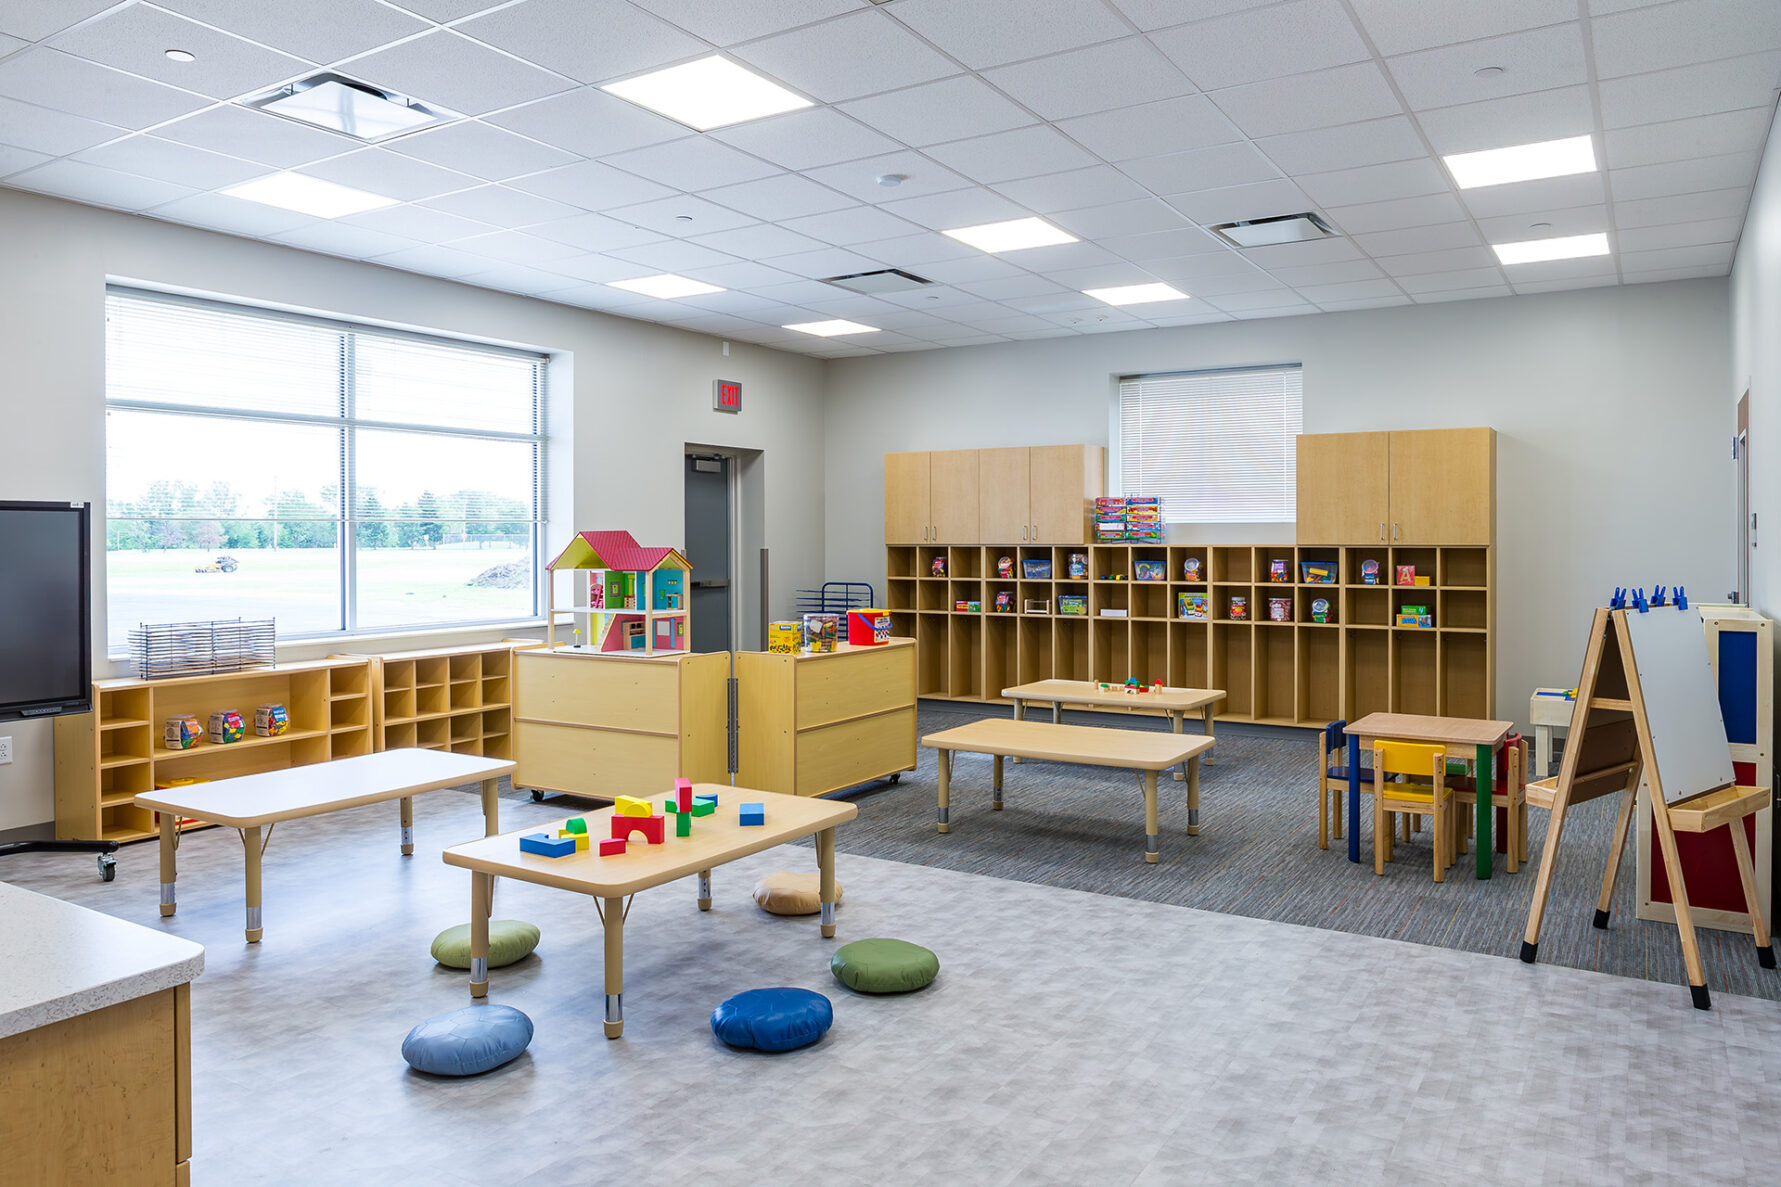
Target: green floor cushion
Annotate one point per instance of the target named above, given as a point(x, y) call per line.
point(509, 941)
point(792, 894)
point(884, 966)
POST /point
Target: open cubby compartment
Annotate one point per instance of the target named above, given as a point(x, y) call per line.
point(1221, 602)
point(1468, 608)
point(121, 707)
point(1369, 607)
point(118, 785)
point(1107, 561)
point(351, 713)
point(1001, 597)
point(304, 695)
point(1319, 677)
point(467, 746)
point(1325, 593)
point(1188, 655)
point(1061, 557)
point(398, 674)
point(432, 700)
point(1149, 599)
point(1465, 567)
point(964, 561)
point(1276, 688)
point(1269, 555)
point(899, 561)
point(1069, 649)
point(349, 743)
point(133, 742)
point(1263, 606)
point(1178, 558)
point(467, 668)
point(1039, 558)
point(466, 694)
point(398, 704)
point(930, 655)
point(126, 822)
point(1035, 592)
point(964, 675)
point(1151, 555)
point(1070, 589)
point(899, 593)
point(1033, 645)
point(903, 625)
point(1403, 597)
point(496, 690)
point(401, 736)
point(1234, 564)
point(353, 680)
point(1417, 673)
point(931, 595)
point(995, 554)
point(1150, 652)
point(1355, 559)
point(1368, 672)
point(1110, 648)
point(1001, 656)
point(434, 733)
point(465, 726)
point(926, 555)
point(1422, 559)
point(964, 591)
point(1110, 595)
point(1330, 558)
point(1464, 676)
point(1233, 654)
point(497, 731)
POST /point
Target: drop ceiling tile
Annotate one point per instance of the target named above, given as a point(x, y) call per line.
point(339, 239)
point(680, 216)
point(419, 223)
point(1116, 74)
point(785, 195)
point(11, 45)
point(1684, 177)
point(1269, 298)
point(599, 269)
point(1202, 169)
point(1101, 276)
point(857, 224)
point(1289, 255)
point(134, 38)
point(219, 212)
point(1022, 285)
point(1251, 281)
point(1173, 125)
point(1264, 43)
point(319, 30)
point(591, 186)
point(78, 87)
point(725, 22)
point(986, 33)
point(51, 132)
point(1514, 228)
point(1376, 183)
point(1354, 294)
point(799, 292)
point(859, 179)
point(589, 40)
point(911, 251)
point(1397, 28)
point(517, 278)
point(1161, 14)
point(1682, 208)
point(1445, 282)
point(1409, 240)
point(1483, 293)
point(1097, 185)
point(1673, 274)
point(446, 10)
point(33, 20)
point(464, 75)
point(1297, 309)
point(170, 161)
point(743, 274)
point(1263, 199)
point(1162, 245)
point(13, 160)
point(950, 109)
point(1453, 259)
point(1396, 215)
point(490, 153)
point(1060, 256)
point(1682, 92)
point(255, 136)
point(1063, 302)
point(956, 208)
point(1681, 140)
point(1337, 273)
point(696, 163)
point(845, 58)
point(759, 242)
point(1320, 100)
point(1519, 119)
point(1373, 142)
point(1523, 197)
point(501, 207)
point(379, 171)
point(1537, 60)
point(98, 187)
point(806, 139)
point(1711, 230)
point(593, 232)
point(517, 247)
point(1120, 218)
point(973, 271)
point(1014, 323)
point(589, 123)
point(1680, 34)
point(1714, 255)
point(828, 261)
point(1006, 156)
point(671, 256)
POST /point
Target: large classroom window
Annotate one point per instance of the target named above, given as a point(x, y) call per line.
point(1215, 446)
point(336, 477)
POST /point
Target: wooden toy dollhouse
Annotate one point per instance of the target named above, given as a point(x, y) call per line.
point(635, 599)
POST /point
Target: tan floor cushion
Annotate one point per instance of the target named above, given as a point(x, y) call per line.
point(792, 894)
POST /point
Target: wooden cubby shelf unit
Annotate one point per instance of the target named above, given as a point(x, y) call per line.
point(109, 756)
point(1291, 672)
point(450, 698)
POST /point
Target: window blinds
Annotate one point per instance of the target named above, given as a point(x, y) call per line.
point(1215, 446)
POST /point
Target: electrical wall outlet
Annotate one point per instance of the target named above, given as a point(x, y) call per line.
point(5, 750)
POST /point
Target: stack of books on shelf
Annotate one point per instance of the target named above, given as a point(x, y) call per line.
point(1136, 519)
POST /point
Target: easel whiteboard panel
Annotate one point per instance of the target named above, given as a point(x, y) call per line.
point(1681, 701)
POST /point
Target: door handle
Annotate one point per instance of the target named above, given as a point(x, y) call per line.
point(720, 583)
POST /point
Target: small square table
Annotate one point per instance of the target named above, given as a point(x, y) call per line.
point(1485, 736)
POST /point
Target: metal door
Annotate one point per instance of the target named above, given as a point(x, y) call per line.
point(708, 548)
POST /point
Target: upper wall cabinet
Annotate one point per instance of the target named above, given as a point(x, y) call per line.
point(1430, 486)
point(931, 497)
point(992, 496)
point(906, 500)
point(1062, 479)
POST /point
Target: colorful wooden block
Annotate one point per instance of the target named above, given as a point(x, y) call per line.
point(706, 797)
point(546, 846)
point(576, 824)
point(683, 824)
point(627, 805)
point(704, 808)
point(754, 814)
point(683, 794)
point(612, 847)
point(669, 807)
point(653, 828)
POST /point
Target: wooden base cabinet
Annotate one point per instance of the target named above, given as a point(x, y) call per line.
point(813, 724)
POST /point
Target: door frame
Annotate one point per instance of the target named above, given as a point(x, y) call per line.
point(1745, 539)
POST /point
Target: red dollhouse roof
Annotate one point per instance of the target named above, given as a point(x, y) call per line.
point(618, 550)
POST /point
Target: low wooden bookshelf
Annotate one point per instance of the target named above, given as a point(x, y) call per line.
point(450, 698)
point(1296, 672)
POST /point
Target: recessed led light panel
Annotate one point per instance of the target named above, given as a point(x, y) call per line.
point(831, 329)
point(1567, 247)
point(666, 286)
point(710, 93)
point(308, 195)
point(1523, 162)
point(1136, 294)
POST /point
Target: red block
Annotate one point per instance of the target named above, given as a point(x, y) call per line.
point(683, 795)
point(612, 847)
point(653, 828)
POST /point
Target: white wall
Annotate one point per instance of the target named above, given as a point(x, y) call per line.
point(1756, 368)
point(1610, 405)
point(638, 392)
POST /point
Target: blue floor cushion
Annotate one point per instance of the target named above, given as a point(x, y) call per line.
point(509, 940)
point(773, 1019)
point(884, 966)
point(467, 1042)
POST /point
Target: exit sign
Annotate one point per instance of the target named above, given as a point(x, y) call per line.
point(726, 395)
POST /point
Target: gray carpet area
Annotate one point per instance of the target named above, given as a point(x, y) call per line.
point(1257, 855)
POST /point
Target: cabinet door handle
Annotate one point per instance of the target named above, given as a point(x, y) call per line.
point(1382, 531)
point(1023, 531)
point(1394, 530)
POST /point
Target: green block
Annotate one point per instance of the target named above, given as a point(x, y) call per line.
point(669, 808)
point(705, 808)
point(576, 825)
point(683, 825)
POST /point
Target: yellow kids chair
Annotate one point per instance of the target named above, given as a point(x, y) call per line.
point(1428, 795)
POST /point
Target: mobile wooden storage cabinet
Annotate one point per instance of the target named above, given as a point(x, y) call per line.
point(812, 724)
point(604, 724)
point(107, 757)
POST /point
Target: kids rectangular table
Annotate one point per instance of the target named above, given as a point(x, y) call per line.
point(609, 881)
point(1483, 737)
point(1176, 702)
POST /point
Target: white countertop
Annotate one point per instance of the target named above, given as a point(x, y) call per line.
point(61, 960)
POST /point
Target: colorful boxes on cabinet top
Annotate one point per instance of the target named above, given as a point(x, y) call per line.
point(1135, 518)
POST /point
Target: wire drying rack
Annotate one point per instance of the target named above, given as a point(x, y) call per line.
point(166, 649)
point(836, 597)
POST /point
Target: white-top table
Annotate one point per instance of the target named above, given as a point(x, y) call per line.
point(252, 803)
point(1546, 708)
point(1176, 702)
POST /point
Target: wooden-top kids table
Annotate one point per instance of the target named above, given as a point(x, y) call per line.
point(1176, 702)
point(1484, 736)
point(609, 881)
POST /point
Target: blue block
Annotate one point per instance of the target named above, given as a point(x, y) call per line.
point(754, 814)
point(709, 797)
point(547, 846)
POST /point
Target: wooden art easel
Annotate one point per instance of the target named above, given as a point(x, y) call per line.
point(1610, 747)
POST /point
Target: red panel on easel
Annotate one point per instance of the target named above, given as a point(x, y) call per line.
point(1707, 861)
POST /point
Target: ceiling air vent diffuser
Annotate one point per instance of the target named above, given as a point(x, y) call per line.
point(1266, 232)
point(890, 280)
point(340, 104)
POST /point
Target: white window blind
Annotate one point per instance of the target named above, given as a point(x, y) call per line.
point(1215, 446)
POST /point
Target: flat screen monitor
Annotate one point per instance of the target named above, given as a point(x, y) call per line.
point(46, 637)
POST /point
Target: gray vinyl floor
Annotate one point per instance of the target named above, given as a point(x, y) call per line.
point(1071, 1038)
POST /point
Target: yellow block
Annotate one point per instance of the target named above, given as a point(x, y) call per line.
point(580, 839)
point(630, 806)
